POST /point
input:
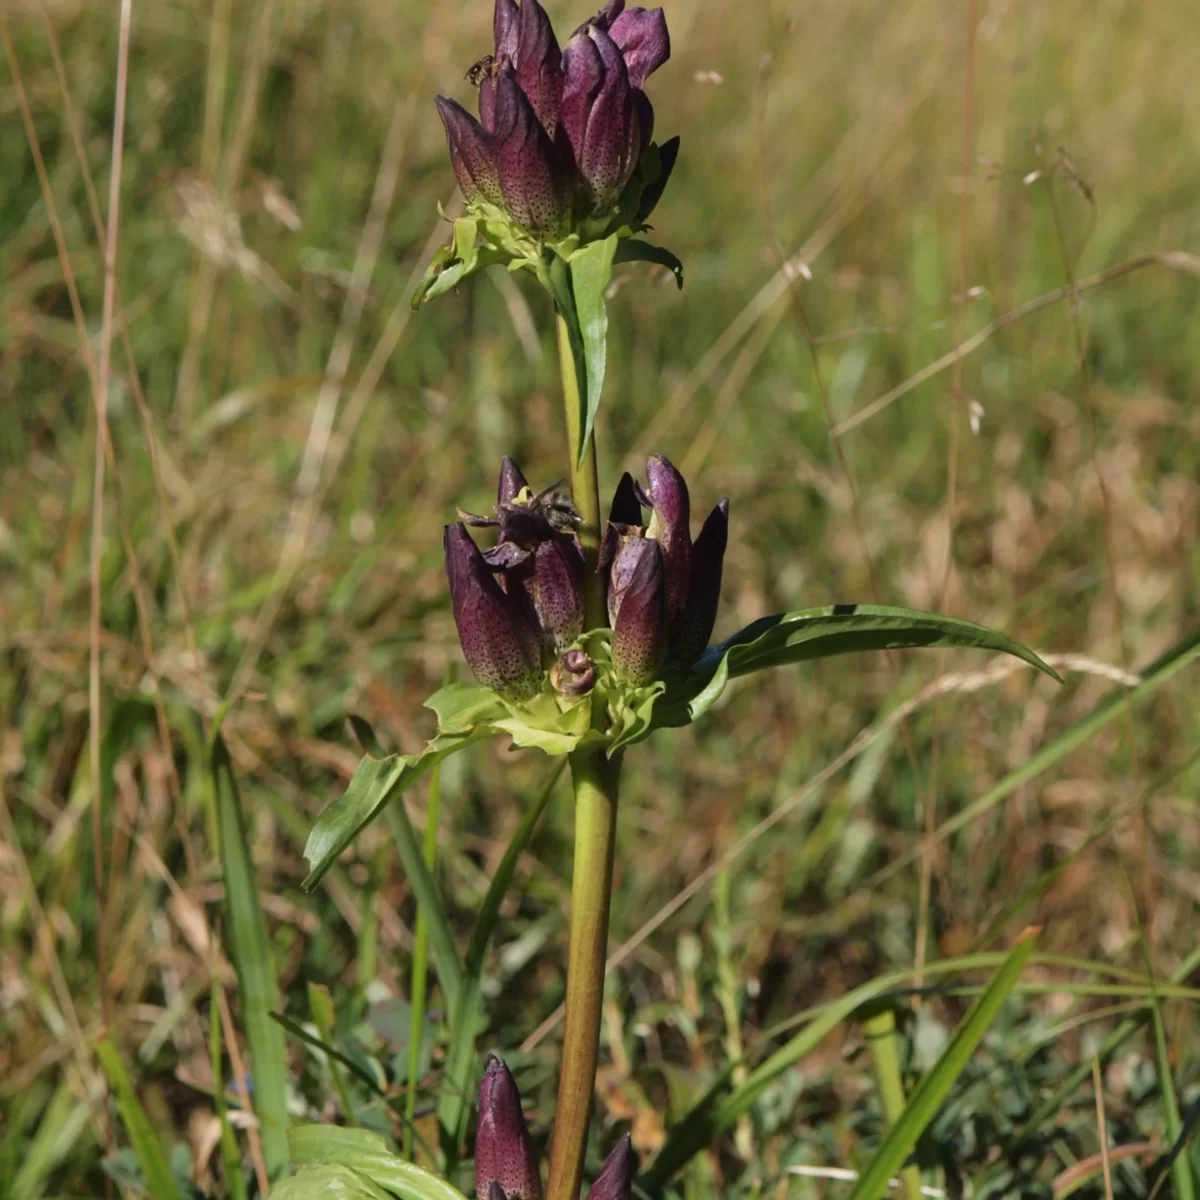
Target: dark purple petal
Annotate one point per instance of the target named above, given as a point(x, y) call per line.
point(525, 526)
point(645, 119)
point(538, 63)
point(558, 591)
point(671, 525)
point(504, 28)
point(638, 610)
point(512, 481)
point(598, 114)
point(504, 1151)
point(641, 34)
point(668, 152)
point(690, 636)
point(615, 1181)
point(499, 638)
point(487, 103)
point(472, 152)
point(625, 510)
point(531, 178)
point(608, 14)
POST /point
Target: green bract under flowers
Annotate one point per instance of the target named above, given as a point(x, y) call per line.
point(562, 155)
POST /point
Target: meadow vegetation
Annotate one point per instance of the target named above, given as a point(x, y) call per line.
point(861, 189)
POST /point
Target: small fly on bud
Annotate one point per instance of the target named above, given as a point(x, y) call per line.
point(477, 72)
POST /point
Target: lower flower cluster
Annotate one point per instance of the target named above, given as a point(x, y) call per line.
point(519, 606)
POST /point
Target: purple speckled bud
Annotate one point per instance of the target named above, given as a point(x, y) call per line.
point(615, 1181)
point(499, 636)
point(472, 152)
point(533, 181)
point(538, 63)
point(690, 634)
point(641, 36)
point(637, 609)
point(573, 675)
point(671, 525)
point(558, 589)
point(505, 1155)
point(598, 114)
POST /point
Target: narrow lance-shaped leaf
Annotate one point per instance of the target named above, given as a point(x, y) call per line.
point(591, 273)
point(250, 949)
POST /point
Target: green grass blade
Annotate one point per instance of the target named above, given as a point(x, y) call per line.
point(934, 1087)
point(320, 1008)
point(235, 1180)
point(420, 964)
point(250, 949)
point(441, 938)
point(150, 1155)
point(883, 1043)
point(453, 1103)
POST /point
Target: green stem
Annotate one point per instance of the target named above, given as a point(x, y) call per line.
point(585, 483)
point(596, 780)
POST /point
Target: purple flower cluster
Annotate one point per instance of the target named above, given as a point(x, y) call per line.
point(562, 132)
point(520, 605)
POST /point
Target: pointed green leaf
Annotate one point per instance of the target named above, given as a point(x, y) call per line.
point(367, 1154)
point(821, 633)
point(556, 276)
point(635, 250)
point(250, 949)
point(328, 1182)
point(591, 273)
point(376, 782)
point(460, 706)
point(150, 1155)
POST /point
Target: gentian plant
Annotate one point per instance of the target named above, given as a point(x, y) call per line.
point(586, 629)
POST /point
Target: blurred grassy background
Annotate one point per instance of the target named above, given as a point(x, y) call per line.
point(286, 537)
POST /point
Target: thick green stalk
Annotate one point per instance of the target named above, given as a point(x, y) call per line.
point(585, 483)
point(596, 781)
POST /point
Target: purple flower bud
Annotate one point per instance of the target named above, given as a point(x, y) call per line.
point(499, 635)
point(690, 635)
point(533, 181)
point(573, 675)
point(668, 152)
point(511, 481)
point(472, 152)
point(642, 37)
point(538, 63)
point(558, 589)
point(637, 609)
point(598, 114)
point(505, 1155)
point(671, 525)
point(615, 1181)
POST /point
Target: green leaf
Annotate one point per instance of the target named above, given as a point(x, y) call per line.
point(452, 264)
point(376, 783)
point(591, 273)
point(328, 1182)
point(250, 949)
point(634, 250)
point(461, 706)
point(932, 1090)
point(823, 632)
point(320, 1008)
point(367, 1154)
point(454, 1101)
point(150, 1155)
point(556, 276)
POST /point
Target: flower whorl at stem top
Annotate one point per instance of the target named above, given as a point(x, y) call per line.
point(561, 144)
point(521, 602)
point(663, 588)
point(506, 1159)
